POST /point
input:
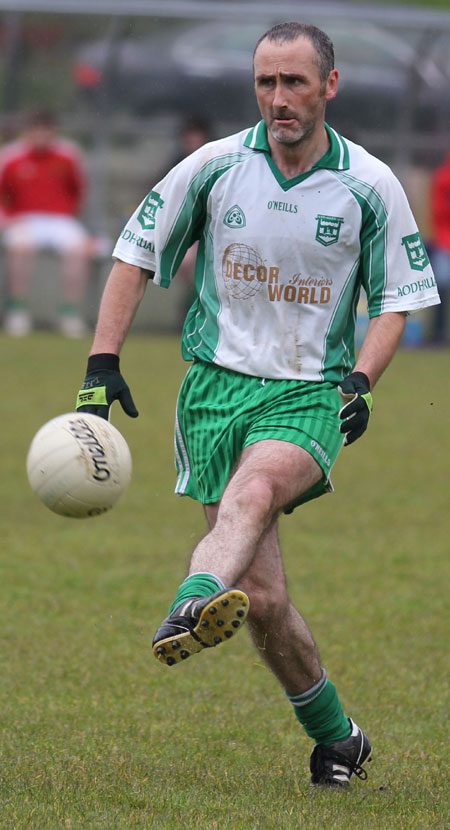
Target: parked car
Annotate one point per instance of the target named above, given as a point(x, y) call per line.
point(208, 68)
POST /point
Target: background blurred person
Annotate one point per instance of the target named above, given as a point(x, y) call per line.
point(195, 130)
point(42, 188)
point(440, 247)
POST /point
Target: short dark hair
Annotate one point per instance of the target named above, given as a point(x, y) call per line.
point(198, 122)
point(286, 32)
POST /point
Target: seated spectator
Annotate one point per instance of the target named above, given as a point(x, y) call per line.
point(440, 249)
point(42, 186)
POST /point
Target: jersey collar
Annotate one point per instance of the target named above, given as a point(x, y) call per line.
point(336, 157)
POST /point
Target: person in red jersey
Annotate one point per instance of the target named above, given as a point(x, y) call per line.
point(440, 248)
point(42, 189)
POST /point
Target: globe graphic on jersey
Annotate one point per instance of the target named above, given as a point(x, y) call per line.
point(243, 271)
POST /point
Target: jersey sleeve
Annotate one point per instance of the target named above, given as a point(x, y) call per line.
point(166, 223)
point(395, 268)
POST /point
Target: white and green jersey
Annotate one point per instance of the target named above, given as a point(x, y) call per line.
point(281, 261)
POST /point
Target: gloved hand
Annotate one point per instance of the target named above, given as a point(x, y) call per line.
point(102, 385)
point(357, 406)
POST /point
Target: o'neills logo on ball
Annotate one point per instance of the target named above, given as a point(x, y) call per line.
point(86, 436)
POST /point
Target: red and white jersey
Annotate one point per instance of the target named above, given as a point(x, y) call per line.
point(440, 205)
point(51, 180)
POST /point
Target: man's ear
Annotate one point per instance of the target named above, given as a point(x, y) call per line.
point(331, 86)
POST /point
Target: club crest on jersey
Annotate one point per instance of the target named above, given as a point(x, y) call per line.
point(328, 229)
point(417, 255)
point(234, 218)
point(147, 214)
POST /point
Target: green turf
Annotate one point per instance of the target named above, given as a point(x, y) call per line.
point(97, 734)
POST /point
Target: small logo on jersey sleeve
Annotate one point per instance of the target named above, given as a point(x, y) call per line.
point(147, 213)
point(235, 217)
point(417, 255)
point(328, 229)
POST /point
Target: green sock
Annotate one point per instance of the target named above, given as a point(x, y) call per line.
point(320, 712)
point(197, 585)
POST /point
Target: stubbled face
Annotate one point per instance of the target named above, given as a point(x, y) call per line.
point(290, 94)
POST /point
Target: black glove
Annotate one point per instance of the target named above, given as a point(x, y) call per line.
point(355, 395)
point(102, 385)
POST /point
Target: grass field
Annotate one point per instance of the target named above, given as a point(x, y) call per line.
point(96, 734)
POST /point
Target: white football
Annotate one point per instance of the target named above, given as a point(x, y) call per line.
point(79, 465)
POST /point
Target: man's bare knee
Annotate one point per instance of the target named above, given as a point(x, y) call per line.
point(251, 499)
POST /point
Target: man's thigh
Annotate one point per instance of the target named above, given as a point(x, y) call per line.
point(289, 470)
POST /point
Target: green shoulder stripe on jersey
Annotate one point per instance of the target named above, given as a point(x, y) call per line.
point(339, 339)
point(201, 329)
point(187, 226)
point(339, 347)
point(336, 157)
point(96, 396)
point(373, 239)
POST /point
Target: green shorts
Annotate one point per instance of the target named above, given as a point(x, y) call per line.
point(220, 412)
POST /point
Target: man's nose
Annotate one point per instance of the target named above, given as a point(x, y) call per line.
point(279, 98)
